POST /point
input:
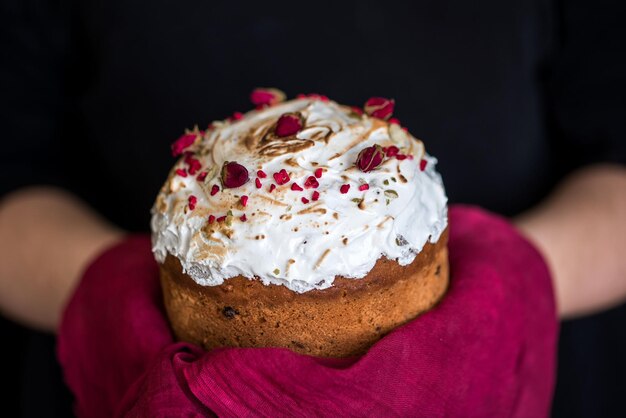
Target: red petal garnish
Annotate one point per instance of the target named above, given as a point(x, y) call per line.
point(379, 107)
point(394, 121)
point(344, 188)
point(257, 183)
point(401, 157)
point(261, 174)
point(423, 163)
point(215, 189)
point(316, 96)
point(409, 156)
point(181, 144)
point(202, 176)
point(234, 175)
point(301, 96)
point(311, 182)
point(294, 186)
point(221, 219)
point(315, 195)
point(318, 173)
point(266, 96)
point(369, 158)
point(392, 151)
point(211, 219)
point(244, 200)
point(364, 187)
point(243, 218)
point(272, 187)
point(192, 202)
point(281, 177)
point(288, 124)
point(181, 172)
point(194, 164)
point(236, 116)
point(304, 200)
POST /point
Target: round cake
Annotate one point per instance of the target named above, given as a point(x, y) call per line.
point(303, 224)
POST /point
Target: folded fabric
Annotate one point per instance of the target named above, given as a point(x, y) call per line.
point(488, 349)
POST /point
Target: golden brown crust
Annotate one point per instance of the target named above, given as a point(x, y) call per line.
point(343, 320)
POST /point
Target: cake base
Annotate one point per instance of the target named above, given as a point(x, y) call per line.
point(343, 320)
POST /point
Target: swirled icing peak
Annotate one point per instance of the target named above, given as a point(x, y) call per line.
point(296, 193)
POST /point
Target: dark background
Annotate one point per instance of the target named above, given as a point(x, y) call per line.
point(510, 96)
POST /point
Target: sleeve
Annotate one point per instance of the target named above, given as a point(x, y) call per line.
point(35, 45)
point(587, 83)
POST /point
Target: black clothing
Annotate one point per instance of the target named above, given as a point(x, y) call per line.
point(510, 96)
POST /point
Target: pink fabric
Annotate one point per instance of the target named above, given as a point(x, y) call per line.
point(487, 350)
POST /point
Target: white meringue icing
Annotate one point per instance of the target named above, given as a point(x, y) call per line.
point(284, 241)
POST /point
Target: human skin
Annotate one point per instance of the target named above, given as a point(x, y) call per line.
point(581, 231)
point(48, 237)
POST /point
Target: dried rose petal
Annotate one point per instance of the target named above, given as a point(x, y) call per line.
point(244, 200)
point(194, 164)
point(215, 189)
point(379, 107)
point(261, 174)
point(315, 196)
point(401, 157)
point(236, 116)
point(305, 200)
point(243, 218)
point(257, 183)
point(344, 188)
point(288, 124)
point(192, 200)
point(181, 172)
point(423, 163)
point(364, 187)
point(294, 186)
point(394, 121)
point(316, 96)
point(181, 144)
point(392, 151)
point(202, 176)
point(272, 187)
point(369, 158)
point(266, 96)
point(221, 219)
point(311, 182)
point(211, 219)
point(318, 173)
point(281, 177)
point(234, 175)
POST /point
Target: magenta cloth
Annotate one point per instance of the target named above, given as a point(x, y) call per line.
point(488, 349)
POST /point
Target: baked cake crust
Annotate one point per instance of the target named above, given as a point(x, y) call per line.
point(343, 320)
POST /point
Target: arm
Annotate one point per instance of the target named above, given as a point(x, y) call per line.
point(581, 231)
point(47, 238)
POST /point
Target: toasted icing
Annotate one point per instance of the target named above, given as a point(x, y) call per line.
point(287, 237)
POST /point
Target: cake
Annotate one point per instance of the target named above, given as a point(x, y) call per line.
point(304, 224)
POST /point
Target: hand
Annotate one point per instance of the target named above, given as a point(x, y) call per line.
point(488, 349)
point(581, 231)
point(47, 239)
